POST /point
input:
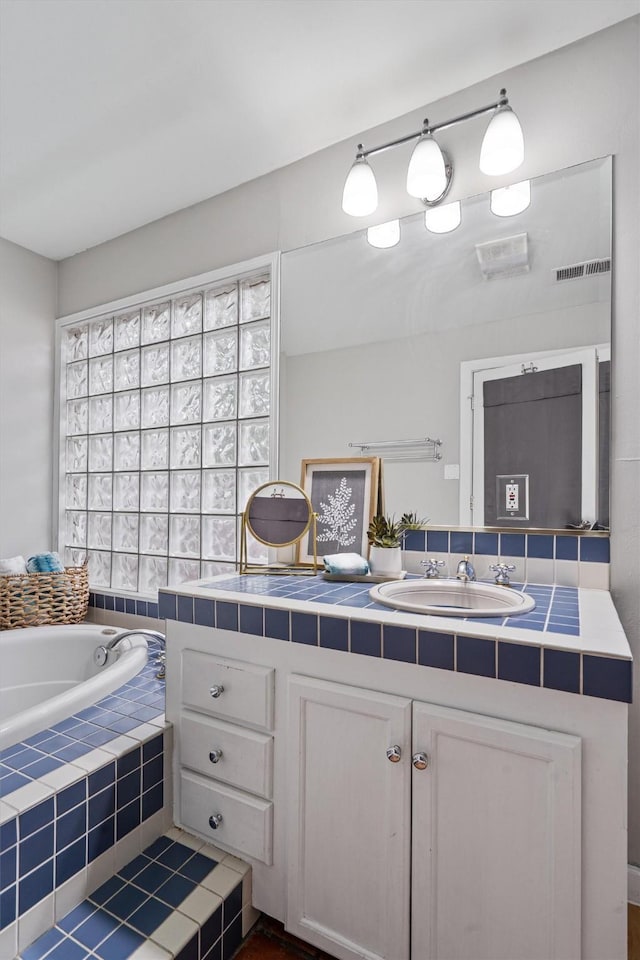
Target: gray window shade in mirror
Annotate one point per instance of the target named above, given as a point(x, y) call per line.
point(533, 427)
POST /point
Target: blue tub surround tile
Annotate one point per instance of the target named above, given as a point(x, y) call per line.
point(123, 914)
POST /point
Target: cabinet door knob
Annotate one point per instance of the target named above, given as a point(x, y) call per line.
point(215, 820)
point(394, 753)
point(420, 761)
point(216, 690)
point(215, 755)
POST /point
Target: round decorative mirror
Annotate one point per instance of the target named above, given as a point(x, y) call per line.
point(278, 514)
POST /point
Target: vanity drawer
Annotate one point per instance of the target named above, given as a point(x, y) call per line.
point(247, 757)
point(247, 822)
point(230, 689)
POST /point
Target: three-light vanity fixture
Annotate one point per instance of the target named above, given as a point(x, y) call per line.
point(430, 173)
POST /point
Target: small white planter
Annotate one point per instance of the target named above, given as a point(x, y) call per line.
point(384, 560)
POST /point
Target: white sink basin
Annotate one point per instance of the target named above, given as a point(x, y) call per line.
point(452, 598)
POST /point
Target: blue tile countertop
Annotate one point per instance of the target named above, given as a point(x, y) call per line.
point(572, 640)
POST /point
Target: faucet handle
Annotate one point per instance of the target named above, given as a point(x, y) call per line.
point(502, 571)
point(431, 567)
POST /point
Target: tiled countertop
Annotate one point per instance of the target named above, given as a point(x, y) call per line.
point(573, 640)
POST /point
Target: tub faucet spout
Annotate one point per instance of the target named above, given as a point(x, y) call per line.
point(101, 654)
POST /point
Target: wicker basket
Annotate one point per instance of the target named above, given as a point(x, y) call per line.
point(34, 599)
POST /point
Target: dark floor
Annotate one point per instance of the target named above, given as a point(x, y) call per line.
point(634, 933)
point(270, 941)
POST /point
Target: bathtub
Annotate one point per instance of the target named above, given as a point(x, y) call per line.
point(48, 673)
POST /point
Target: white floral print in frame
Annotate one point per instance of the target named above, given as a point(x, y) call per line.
point(344, 496)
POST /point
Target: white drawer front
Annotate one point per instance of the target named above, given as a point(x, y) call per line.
point(229, 689)
point(229, 753)
point(247, 822)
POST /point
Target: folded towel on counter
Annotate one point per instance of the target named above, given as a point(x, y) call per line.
point(346, 563)
point(45, 563)
point(12, 565)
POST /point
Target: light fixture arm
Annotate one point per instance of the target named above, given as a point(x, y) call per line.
point(363, 154)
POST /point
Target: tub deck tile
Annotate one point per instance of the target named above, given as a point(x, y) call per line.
point(131, 916)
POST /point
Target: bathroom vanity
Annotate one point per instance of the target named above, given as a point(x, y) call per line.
point(407, 786)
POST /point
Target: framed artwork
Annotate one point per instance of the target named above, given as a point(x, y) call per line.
point(344, 494)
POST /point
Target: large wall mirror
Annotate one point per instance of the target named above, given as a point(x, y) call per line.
point(390, 344)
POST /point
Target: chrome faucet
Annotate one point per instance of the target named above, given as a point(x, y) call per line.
point(465, 570)
point(101, 654)
point(502, 571)
point(431, 567)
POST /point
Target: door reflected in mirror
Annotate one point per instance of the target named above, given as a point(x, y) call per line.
point(393, 343)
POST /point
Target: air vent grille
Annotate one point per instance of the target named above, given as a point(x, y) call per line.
point(588, 268)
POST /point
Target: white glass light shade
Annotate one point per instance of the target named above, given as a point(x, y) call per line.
point(426, 176)
point(507, 201)
point(443, 219)
point(360, 194)
point(503, 145)
point(384, 235)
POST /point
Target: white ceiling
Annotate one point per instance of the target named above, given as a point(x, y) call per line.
point(114, 113)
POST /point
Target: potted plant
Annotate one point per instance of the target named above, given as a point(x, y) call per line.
point(385, 535)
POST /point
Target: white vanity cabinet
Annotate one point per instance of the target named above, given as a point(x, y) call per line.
point(509, 845)
point(479, 818)
point(224, 779)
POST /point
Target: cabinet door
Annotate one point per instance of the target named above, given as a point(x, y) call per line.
point(496, 840)
point(348, 821)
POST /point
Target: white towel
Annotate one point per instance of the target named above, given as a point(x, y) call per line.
point(12, 565)
point(348, 563)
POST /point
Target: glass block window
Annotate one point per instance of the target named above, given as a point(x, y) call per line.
point(166, 427)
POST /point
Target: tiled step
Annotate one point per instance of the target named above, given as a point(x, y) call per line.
point(180, 899)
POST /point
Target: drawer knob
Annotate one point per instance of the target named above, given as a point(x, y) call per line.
point(394, 753)
point(216, 690)
point(215, 820)
point(420, 761)
point(215, 755)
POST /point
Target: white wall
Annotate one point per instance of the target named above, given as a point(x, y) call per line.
point(575, 104)
point(27, 313)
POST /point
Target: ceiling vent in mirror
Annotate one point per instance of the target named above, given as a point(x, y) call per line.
point(588, 268)
point(508, 257)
